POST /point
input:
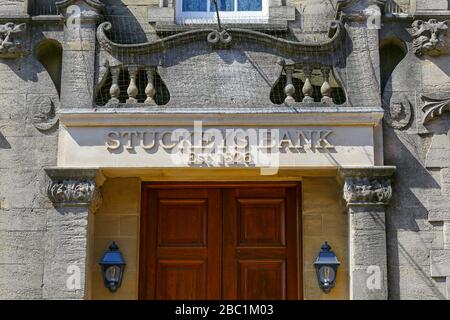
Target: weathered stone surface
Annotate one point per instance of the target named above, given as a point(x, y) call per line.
point(408, 283)
point(432, 5)
point(23, 281)
point(368, 219)
point(77, 79)
point(11, 7)
point(23, 247)
point(440, 263)
point(439, 208)
point(411, 248)
point(23, 219)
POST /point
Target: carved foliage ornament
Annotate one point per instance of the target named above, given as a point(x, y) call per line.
point(434, 107)
point(74, 192)
point(363, 190)
point(11, 45)
point(430, 37)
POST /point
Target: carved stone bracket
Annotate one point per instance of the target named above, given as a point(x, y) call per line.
point(74, 188)
point(434, 107)
point(430, 37)
point(367, 186)
point(11, 40)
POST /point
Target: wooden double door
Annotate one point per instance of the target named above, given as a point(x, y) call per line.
point(220, 242)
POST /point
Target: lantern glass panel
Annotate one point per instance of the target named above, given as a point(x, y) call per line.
point(112, 274)
point(327, 274)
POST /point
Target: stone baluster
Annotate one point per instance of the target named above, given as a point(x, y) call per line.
point(308, 89)
point(132, 90)
point(114, 90)
point(326, 89)
point(150, 90)
point(289, 89)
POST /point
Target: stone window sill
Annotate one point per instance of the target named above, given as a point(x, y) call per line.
point(163, 19)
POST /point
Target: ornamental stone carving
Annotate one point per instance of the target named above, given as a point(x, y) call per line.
point(65, 190)
point(43, 113)
point(430, 37)
point(367, 190)
point(398, 111)
point(11, 45)
point(434, 107)
point(367, 185)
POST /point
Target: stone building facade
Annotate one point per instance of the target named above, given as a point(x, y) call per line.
point(99, 97)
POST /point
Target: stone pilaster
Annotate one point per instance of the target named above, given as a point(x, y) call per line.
point(366, 192)
point(75, 195)
point(78, 68)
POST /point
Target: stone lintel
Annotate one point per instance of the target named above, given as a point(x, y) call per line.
point(74, 187)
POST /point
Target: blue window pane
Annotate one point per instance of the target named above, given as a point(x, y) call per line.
point(224, 5)
point(194, 5)
point(249, 5)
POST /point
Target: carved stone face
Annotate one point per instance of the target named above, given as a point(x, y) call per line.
point(430, 37)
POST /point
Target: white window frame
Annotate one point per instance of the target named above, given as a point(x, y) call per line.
point(202, 17)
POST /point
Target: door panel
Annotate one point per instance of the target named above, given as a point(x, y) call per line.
point(261, 221)
point(181, 280)
point(182, 223)
point(182, 244)
point(254, 276)
point(258, 263)
point(220, 242)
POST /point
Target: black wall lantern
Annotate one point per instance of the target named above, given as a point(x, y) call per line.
point(326, 267)
point(112, 265)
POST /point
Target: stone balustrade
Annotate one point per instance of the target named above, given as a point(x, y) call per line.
point(305, 73)
point(135, 85)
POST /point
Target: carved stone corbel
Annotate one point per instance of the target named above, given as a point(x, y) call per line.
point(11, 40)
point(74, 188)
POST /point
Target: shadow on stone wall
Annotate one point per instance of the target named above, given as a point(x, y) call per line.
point(407, 212)
point(126, 26)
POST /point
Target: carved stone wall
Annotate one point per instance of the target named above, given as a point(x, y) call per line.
point(417, 141)
point(25, 211)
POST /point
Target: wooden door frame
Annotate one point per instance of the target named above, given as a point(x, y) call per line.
point(146, 188)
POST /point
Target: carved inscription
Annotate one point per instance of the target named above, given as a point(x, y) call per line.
point(311, 140)
point(215, 146)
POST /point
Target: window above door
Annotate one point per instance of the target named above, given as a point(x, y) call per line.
point(230, 11)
